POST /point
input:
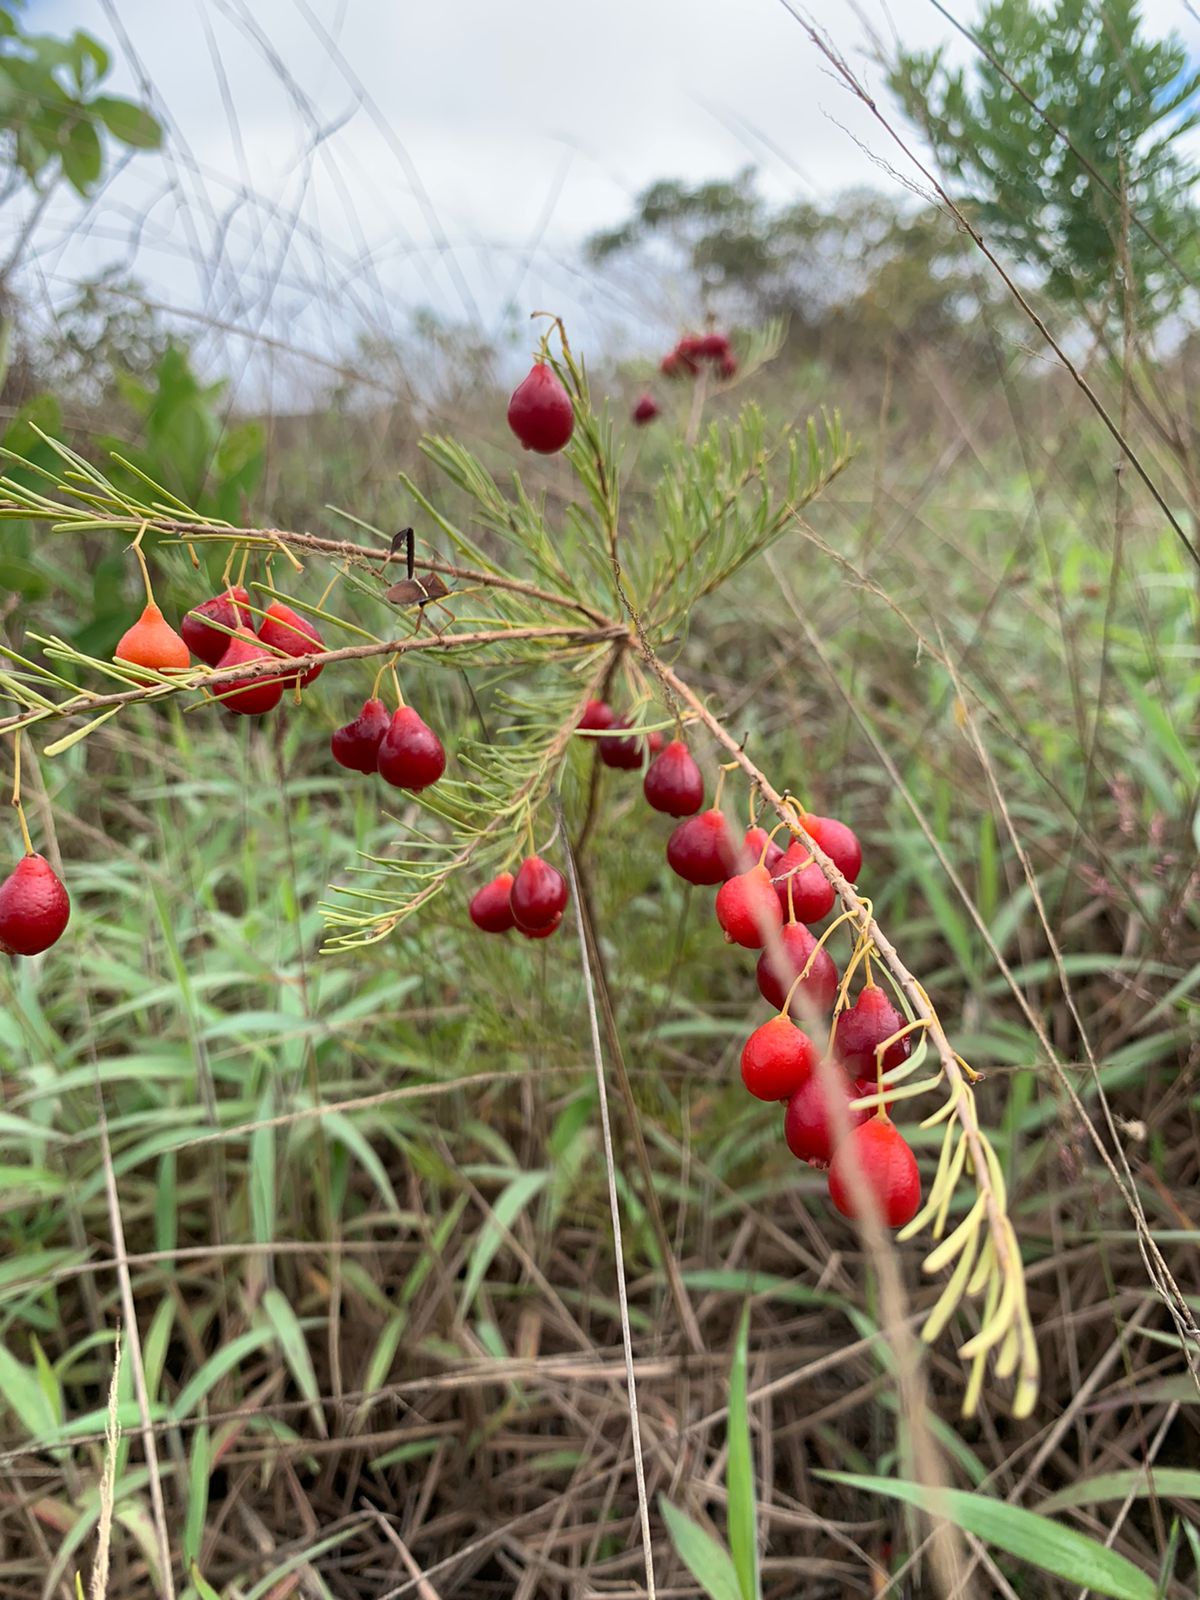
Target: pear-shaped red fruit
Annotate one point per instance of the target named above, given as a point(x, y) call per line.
point(812, 1127)
point(645, 410)
point(249, 697)
point(626, 754)
point(759, 846)
point(356, 744)
point(231, 610)
point(539, 895)
point(777, 1059)
point(778, 969)
point(673, 782)
point(540, 411)
point(153, 642)
point(888, 1173)
point(863, 1027)
point(410, 754)
point(286, 632)
point(839, 843)
point(597, 716)
point(702, 850)
point(490, 909)
point(748, 908)
point(34, 907)
point(812, 894)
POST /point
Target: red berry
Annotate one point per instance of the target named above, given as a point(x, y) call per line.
point(540, 411)
point(287, 633)
point(231, 610)
point(249, 697)
point(34, 908)
point(887, 1170)
point(778, 970)
point(673, 782)
point(712, 346)
point(811, 1126)
point(701, 849)
point(646, 409)
point(490, 909)
point(839, 843)
point(776, 1059)
point(863, 1027)
point(756, 841)
point(655, 741)
point(356, 744)
point(541, 933)
point(679, 361)
point(812, 894)
point(152, 642)
point(627, 754)
point(539, 895)
point(727, 365)
point(748, 908)
point(597, 716)
point(410, 754)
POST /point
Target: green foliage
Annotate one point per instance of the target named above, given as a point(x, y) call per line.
point(51, 116)
point(1051, 173)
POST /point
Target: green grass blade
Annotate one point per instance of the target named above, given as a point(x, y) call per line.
point(742, 1510)
point(707, 1561)
point(1164, 1483)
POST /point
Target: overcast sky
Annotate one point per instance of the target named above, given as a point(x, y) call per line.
point(333, 164)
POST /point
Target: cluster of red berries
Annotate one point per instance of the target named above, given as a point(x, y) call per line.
point(693, 349)
point(152, 642)
point(533, 902)
point(402, 748)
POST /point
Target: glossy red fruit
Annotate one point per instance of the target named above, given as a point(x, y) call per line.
point(811, 1124)
point(231, 610)
point(249, 697)
point(701, 850)
point(754, 843)
point(410, 754)
point(776, 1059)
point(597, 716)
point(539, 894)
point(888, 1169)
point(645, 410)
point(839, 843)
point(863, 1027)
point(356, 744)
point(285, 631)
point(153, 642)
point(490, 909)
point(812, 894)
point(712, 346)
point(540, 411)
point(34, 908)
point(673, 782)
point(776, 972)
point(748, 908)
point(626, 754)
point(541, 933)
point(727, 365)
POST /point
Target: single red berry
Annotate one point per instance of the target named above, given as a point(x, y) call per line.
point(712, 346)
point(153, 642)
point(811, 1126)
point(701, 850)
point(673, 782)
point(680, 361)
point(670, 365)
point(655, 741)
point(778, 970)
point(410, 754)
point(748, 908)
point(776, 1059)
point(863, 1027)
point(727, 365)
point(490, 909)
point(287, 633)
point(597, 716)
point(249, 697)
point(540, 411)
point(887, 1170)
point(539, 894)
point(692, 346)
point(812, 894)
point(839, 843)
point(756, 842)
point(356, 744)
point(627, 754)
point(541, 933)
point(646, 409)
point(231, 610)
point(34, 908)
